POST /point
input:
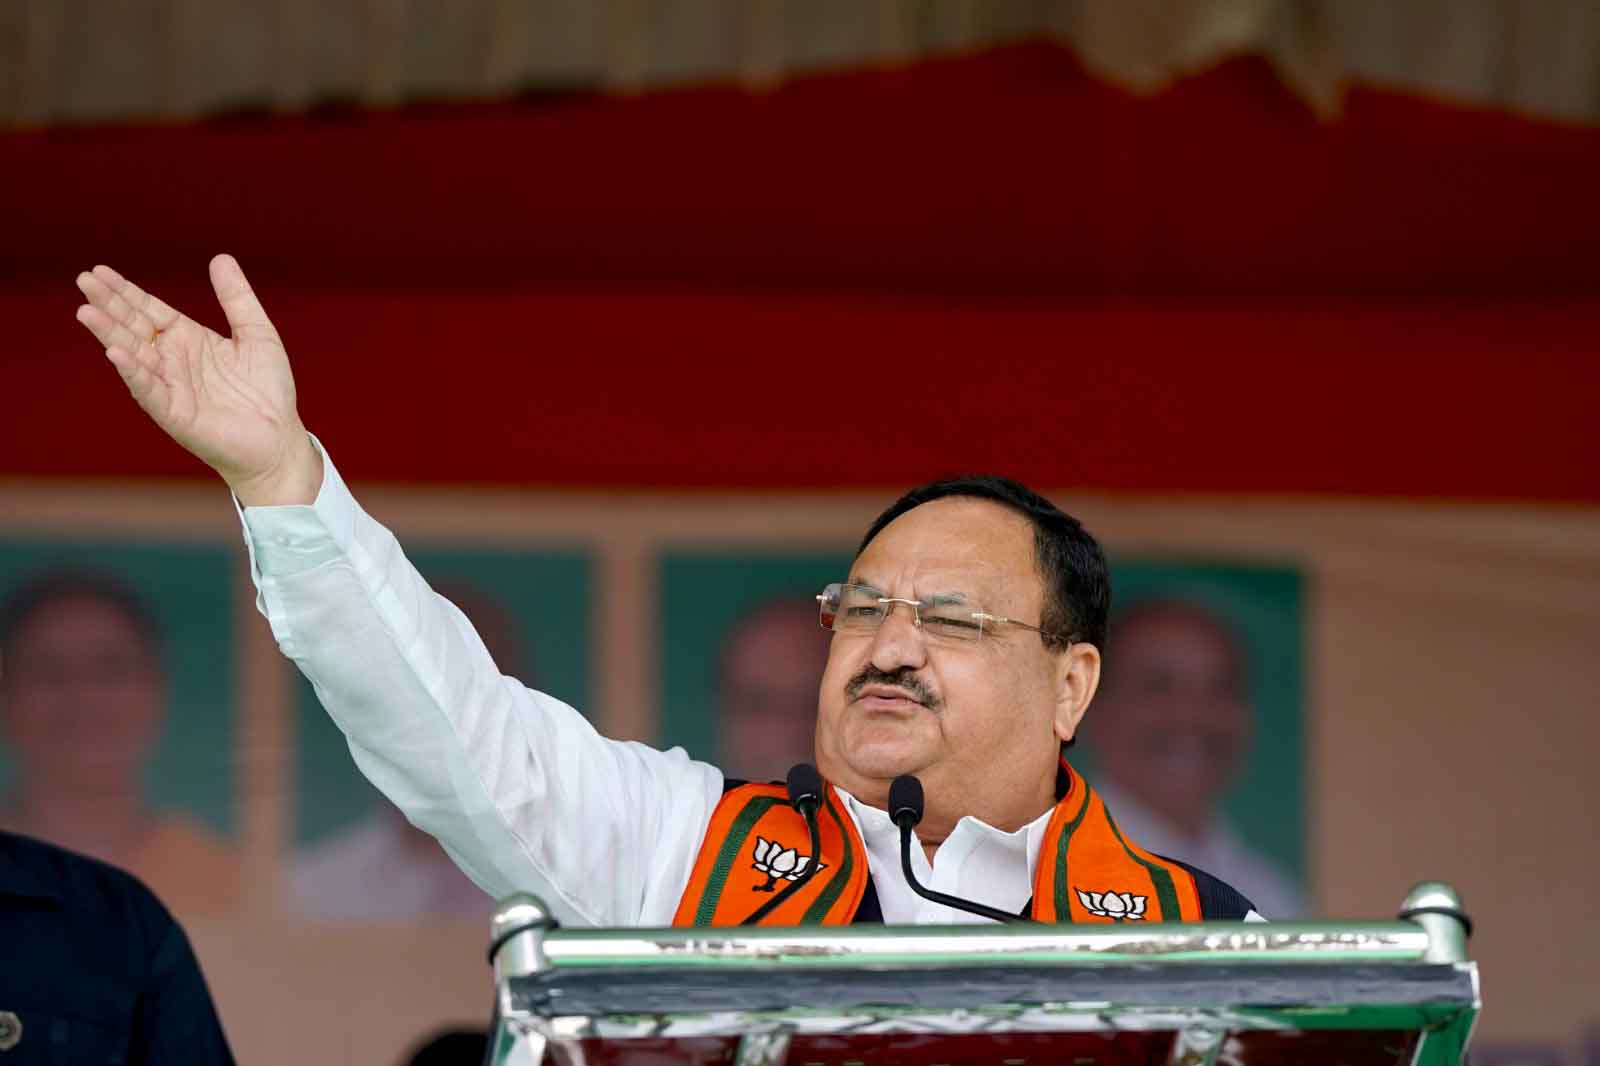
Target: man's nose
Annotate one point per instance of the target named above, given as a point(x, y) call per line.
point(899, 641)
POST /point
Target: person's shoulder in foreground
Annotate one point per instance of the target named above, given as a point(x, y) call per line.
point(96, 968)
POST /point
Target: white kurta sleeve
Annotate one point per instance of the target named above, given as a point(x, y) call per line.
point(519, 788)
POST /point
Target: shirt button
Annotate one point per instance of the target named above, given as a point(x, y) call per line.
point(10, 1030)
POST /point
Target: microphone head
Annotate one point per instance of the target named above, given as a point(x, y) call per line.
point(805, 786)
point(905, 800)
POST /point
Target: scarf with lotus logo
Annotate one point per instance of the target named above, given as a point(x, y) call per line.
point(756, 844)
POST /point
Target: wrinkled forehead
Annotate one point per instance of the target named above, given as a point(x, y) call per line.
point(954, 545)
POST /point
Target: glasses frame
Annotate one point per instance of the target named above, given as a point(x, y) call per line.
point(837, 590)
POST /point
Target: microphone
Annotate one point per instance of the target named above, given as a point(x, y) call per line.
point(805, 796)
point(905, 809)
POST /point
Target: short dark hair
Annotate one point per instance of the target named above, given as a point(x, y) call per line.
point(1076, 578)
point(56, 586)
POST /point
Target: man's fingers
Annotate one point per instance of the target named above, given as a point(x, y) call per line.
point(99, 323)
point(101, 294)
point(110, 277)
point(157, 311)
point(106, 288)
point(246, 317)
point(95, 290)
point(107, 330)
point(147, 389)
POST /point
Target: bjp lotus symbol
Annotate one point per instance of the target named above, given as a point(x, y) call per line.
point(1118, 906)
point(779, 863)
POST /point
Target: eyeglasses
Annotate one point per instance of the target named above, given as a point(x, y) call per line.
point(859, 609)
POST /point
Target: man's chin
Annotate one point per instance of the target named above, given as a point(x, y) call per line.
point(885, 760)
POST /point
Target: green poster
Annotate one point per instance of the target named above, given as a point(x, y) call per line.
point(1257, 612)
point(705, 599)
point(187, 591)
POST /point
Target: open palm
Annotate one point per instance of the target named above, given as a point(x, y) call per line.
point(229, 400)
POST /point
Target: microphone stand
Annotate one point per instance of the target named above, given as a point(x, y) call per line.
point(905, 800)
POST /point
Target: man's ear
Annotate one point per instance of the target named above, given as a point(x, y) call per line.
point(1077, 678)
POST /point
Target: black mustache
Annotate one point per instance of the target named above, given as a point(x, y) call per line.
point(905, 679)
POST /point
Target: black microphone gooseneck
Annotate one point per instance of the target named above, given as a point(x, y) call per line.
point(805, 796)
point(905, 808)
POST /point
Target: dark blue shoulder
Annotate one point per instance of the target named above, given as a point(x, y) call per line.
point(97, 892)
point(1219, 901)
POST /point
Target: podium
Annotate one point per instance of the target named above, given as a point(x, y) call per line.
point(1188, 994)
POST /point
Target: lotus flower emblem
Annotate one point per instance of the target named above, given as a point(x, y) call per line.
point(779, 863)
point(1118, 906)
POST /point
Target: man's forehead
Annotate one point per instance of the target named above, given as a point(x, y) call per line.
point(957, 540)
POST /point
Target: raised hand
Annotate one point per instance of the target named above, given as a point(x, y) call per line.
point(229, 400)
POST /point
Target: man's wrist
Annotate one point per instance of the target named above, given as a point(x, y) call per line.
point(296, 481)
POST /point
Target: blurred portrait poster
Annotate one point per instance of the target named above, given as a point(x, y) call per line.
point(742, 655)
point(1196, 738)
point(118, 710)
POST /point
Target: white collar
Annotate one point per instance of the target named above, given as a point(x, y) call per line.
point(970, 835)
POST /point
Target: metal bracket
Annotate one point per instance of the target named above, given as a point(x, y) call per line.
point(1436, 907)
point(1197, 1047)
point(768, 1048)
point(516, 1046)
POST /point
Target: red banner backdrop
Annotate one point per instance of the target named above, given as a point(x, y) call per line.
point(866, 278)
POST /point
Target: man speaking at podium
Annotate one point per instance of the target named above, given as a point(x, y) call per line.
point(965, 650)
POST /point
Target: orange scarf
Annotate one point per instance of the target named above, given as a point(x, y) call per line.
point(756, 844)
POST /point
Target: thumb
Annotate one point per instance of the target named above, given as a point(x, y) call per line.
point(246, 318)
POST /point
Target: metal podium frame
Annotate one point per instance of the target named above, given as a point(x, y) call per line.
point(767, 985)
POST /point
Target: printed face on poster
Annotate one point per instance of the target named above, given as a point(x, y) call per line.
point(742, 656)
point(1196, 738)
point(117, 708)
